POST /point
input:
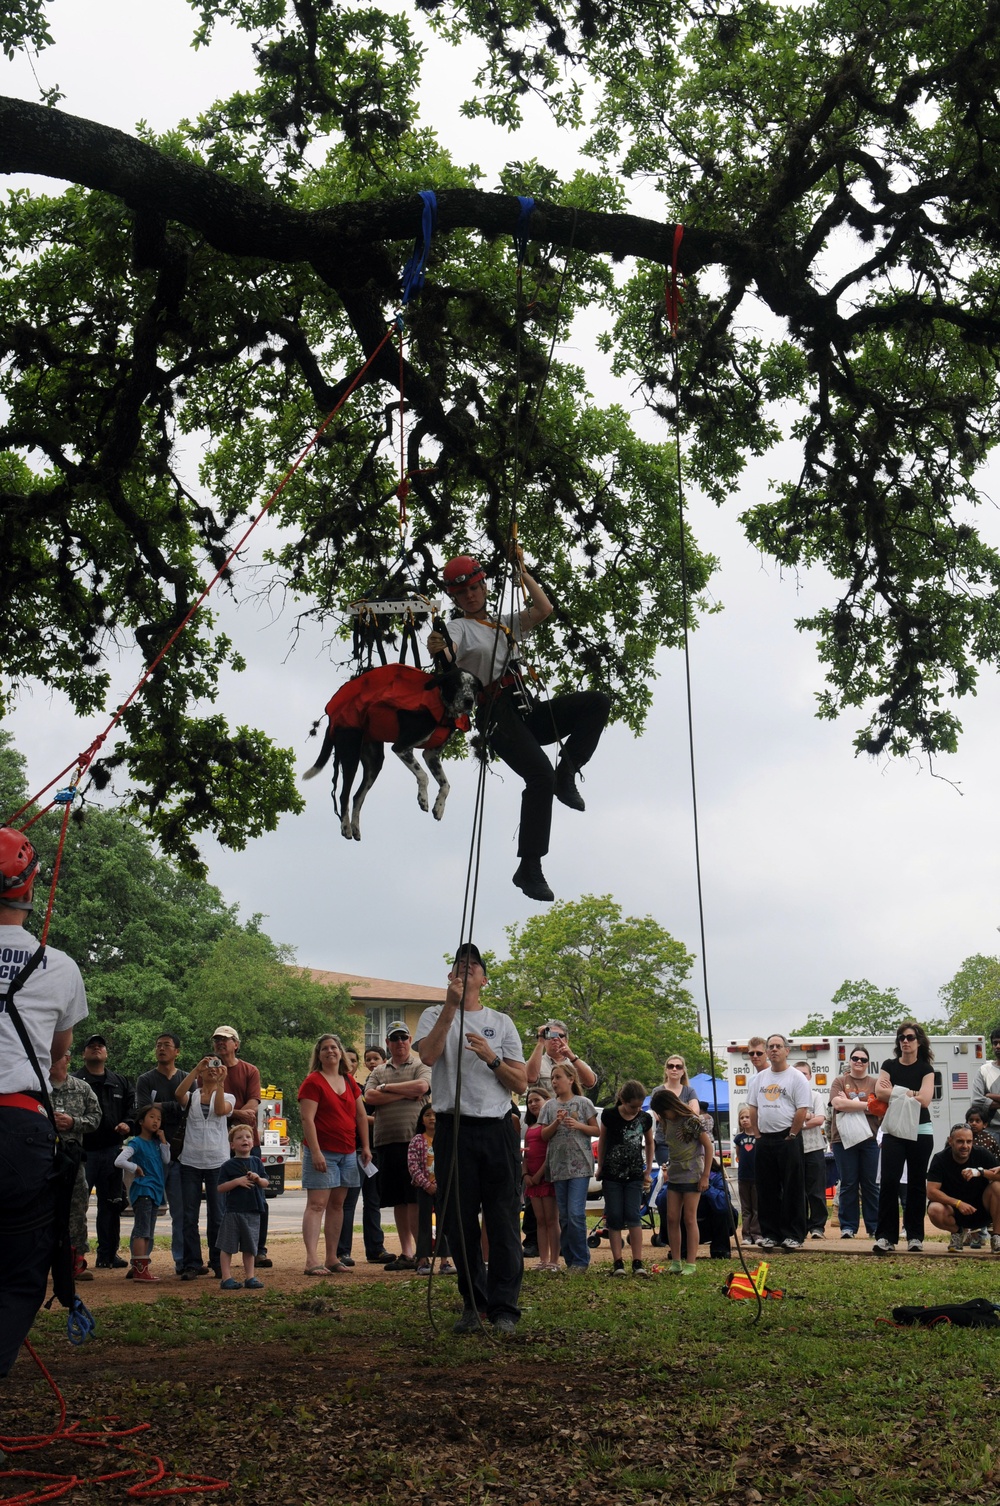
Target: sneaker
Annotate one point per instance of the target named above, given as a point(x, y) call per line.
point(618, 1269)
point(955, 1242)
point(116, 1263)
point(344, 1260)
point(914, 1246)
point(530, 879)
point(230, 1285)
point(674, 1268)
point(688, 1270)
point(978, 1240)
point(530, 1252)
point(883, 1247)
point(446, 1268)
point(262, 1263)
point(505, 1326)
point(381, 1257)
point(995, 1244)
point(816, 1234)
point(792, 1244)
point(470, 1321)
point(765, 1244)
point(401, 1263)
point(848, 1233)
point(424, 1268)
point(191, 1275)
point(638, 1269)
point(253, 1285)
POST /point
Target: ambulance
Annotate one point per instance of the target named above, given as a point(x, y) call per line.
point(272, 1127)
point(957, 1059)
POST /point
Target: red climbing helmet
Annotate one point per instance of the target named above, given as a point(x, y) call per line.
point(18, 866)
point(463, 570)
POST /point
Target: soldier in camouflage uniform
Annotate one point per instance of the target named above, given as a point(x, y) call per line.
point(77, 1112)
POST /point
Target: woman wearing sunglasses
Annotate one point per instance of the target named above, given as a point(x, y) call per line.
point(857, 1165)
point(910, 1068)
point(675, 1077)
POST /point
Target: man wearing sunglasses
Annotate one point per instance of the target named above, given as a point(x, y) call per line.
point(780, 1101)
point(514, 728)
point(395, 1093)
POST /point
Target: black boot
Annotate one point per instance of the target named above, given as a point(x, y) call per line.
point(530, 879)
point(565, 787)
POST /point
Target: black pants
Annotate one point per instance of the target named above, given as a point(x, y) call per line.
point(915, 1155)
point(815, 1181)
point(781, 1190)
point(371, 1219)
point(487, 1178)
point(27, 1208)
point(426, 1245)
point(104, 1177)
point(578, 719)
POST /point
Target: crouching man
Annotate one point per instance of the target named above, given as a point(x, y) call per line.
point(963, 1189)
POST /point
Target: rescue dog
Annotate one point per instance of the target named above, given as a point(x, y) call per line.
point(402, 706)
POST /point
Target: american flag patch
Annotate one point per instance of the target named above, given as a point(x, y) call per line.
point(960, 1080)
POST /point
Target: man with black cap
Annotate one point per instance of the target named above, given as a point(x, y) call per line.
point(395, 1093)
point(476, 1064)
point(101, 1147)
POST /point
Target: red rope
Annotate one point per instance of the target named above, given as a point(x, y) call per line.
point(82, 762)
point(100, 1435)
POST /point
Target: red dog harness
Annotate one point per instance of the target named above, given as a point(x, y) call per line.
point(371, 704)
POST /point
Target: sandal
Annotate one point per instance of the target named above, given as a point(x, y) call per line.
point(338, 1269)
point(315, 1270)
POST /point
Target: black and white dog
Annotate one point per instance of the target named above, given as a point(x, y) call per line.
point(403, 706)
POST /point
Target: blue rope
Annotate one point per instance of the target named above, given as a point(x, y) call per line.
point(80, 1322)
point(413, 272)
point(521, 228)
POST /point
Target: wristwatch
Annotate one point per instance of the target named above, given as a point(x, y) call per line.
point(495, 1064)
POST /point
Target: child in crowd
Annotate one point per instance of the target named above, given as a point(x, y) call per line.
point(420, 1161)
point(143, 1160)
point(569, 1124)
point(539, 1189)
point(689, 1151)
point(981, 1137)
point(625, 1166)
point(745, 1145)
point(241, 1185)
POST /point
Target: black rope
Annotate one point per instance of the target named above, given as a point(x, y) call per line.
point(685, 605)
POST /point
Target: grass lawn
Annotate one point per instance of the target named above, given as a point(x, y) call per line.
point(612, 1392)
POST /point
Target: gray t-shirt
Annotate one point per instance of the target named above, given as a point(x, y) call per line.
point(570, 1151)
point(483, 1095)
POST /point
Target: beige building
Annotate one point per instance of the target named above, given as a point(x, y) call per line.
point(380, 1000)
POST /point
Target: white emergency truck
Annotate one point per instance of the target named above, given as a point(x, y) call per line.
point(957, 1059)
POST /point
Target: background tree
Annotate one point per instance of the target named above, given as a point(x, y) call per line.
point(860, 1008)
point(971, 999)
point(833, 166)
point(617, 981)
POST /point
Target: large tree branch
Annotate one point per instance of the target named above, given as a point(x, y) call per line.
point(34, 139)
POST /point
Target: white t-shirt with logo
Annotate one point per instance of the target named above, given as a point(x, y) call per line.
point(481, 648)
point(52, 999)
point(777, 1097)
point(483, 1094)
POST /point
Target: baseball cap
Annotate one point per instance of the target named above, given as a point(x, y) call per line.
point(95, 1040)
point(226, 1031)
point(395, 1025)
point(470, 950)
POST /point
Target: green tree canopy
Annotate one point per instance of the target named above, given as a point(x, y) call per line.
point(617, 981)
point(833, 168)
point(971, 1000)
point(859, 1008)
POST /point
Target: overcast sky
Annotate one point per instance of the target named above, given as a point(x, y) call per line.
point(817, 866)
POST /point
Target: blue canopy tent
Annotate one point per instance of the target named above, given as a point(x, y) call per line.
point(702, 1085)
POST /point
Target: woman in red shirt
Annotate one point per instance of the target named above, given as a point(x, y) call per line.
point(334, 1122)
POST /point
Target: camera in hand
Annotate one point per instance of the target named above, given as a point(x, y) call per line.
point(214, 1061)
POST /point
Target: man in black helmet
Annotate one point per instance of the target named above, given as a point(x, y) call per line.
point(50, 1002)
point(473, 1128)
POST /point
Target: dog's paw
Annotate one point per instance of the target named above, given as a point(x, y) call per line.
point(356, 832)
